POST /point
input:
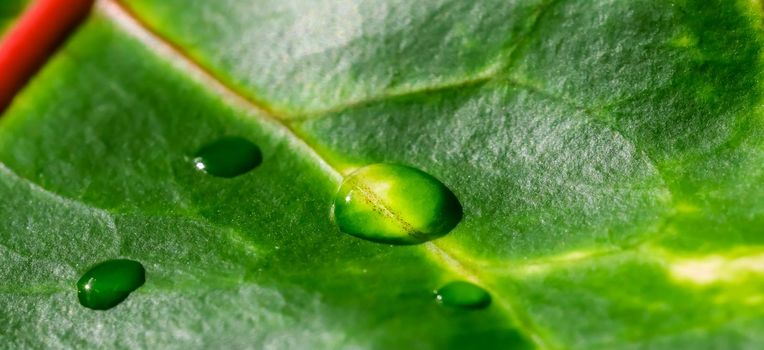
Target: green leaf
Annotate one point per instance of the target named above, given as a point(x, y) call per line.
point(9, 9)
point(608, 157)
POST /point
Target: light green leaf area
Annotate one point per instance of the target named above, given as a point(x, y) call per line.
point(303, 57)
point(607, 154)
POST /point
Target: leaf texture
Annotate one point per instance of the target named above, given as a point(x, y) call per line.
point(608, 156)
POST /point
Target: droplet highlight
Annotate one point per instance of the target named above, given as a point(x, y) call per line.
point(228, 157)
point(395, 204)
point(463, 295)
point(109, 283)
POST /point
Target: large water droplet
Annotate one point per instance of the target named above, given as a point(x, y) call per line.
point(395, 204)
point(463, 295)
point(228, 157)
point(109, 283)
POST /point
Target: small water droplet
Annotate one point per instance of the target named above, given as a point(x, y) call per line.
point(463, 295)
point(395, 204)
point(108, 283)
point(228, 157)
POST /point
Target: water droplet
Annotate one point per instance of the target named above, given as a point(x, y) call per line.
point(228, 157)
point(395, 204)
point(463, 295)
point(108, 283)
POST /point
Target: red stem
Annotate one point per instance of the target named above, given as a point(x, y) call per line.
point(33, 38)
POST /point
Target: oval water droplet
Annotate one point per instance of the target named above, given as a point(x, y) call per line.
point(108, 283)
point(395, 204)
point(463, 295)
point(228, 157)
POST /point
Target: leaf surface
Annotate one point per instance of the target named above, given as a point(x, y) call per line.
point(8, 11)
point(607, 154)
